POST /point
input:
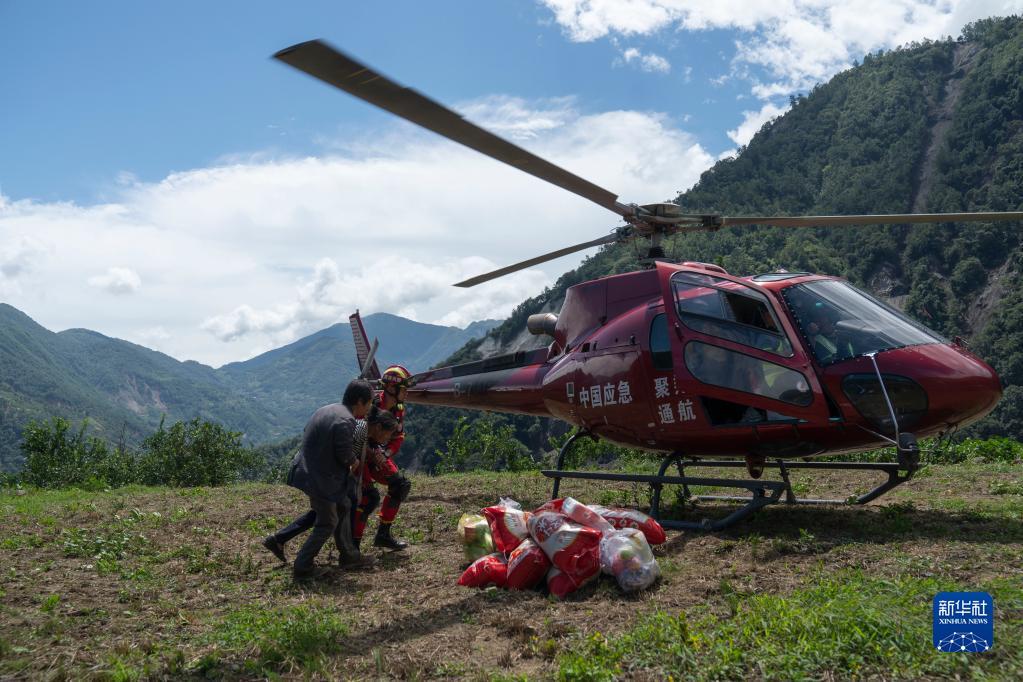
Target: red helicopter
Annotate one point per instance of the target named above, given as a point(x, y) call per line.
point(692, 361)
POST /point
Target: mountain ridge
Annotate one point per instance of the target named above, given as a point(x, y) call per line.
point(125, 389)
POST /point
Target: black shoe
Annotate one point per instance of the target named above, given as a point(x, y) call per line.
point(276, 548)
point(386, 540)
point(354, 563)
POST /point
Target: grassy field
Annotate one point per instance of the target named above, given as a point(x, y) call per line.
point(143, 583)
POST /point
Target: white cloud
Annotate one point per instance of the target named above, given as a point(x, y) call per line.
point(329, 296)
point(752, 121)
point(248, 255)
point(514, 117)
point(797, 43)
point(651, 63)
point(17, 255)
point(118, 281)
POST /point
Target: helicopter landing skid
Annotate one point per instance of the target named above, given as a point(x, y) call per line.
point(762, 492)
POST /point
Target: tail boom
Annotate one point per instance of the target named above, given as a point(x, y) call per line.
point(508, 383)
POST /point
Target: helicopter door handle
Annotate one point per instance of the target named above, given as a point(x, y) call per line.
point(678, 331)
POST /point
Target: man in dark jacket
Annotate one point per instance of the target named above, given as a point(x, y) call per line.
point(321, 470)
point(378, 428)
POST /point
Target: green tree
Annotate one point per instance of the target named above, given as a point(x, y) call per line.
point(483, 444)
point(58, 457)
point(194, 453)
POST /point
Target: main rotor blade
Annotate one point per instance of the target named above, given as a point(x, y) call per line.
point(331, 66)
point(890, 219)
point(480, 279)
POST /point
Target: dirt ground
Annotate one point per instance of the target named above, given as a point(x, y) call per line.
point(147, 600)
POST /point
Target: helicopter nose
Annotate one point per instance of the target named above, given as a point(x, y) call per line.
point(958, 388)
point(971, 393)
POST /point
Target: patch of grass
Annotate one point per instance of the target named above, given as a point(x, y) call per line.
point(414, 535)
point(268, 640)
point(50, 603)
point(139, 574)
point(1006, 488)
point(844, 626)
point(106, 546)
point(198, 559)
point(21, 541)
point(37, 504)
point(139, 517)
point(121, 669)
point(262, 526)
point(806, 543)
point(180, 514)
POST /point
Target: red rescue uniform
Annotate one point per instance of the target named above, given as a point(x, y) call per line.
point(386, 473)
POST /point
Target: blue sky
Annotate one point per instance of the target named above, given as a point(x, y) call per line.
point(164, 181)
point(108, 88)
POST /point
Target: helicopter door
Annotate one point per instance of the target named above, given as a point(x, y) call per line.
point(735, 354)
point(670, 405)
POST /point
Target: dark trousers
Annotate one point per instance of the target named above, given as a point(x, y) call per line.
point(326, 519)
point(296, 527)
point(326, 513)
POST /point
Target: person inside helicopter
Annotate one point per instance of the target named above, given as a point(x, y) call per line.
point(824, 338)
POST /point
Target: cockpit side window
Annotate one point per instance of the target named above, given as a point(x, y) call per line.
point(660, 346)
point(729, 310)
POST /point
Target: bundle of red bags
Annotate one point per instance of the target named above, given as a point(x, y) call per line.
point(569, 543)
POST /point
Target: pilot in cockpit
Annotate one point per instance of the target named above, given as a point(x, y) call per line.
point(824, 338)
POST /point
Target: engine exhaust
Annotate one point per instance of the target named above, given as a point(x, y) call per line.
point(542, 323)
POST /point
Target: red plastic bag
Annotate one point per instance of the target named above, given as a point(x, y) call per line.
point(560, 584)
point(527, 566)
point(630, 518)
point(572, 548)
point(507, 524)
point(485, 571)
point(584, 515)
point(550, 506)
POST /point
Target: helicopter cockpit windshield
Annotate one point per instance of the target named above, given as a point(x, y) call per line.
point(841, 322)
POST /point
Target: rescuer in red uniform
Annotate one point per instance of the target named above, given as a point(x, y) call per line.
point(394, 382)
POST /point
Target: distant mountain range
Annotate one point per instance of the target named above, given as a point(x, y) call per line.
point(125, 388)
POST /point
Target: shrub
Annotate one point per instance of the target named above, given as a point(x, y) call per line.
point(193, 453)
point(483, 444)
point(57, 457)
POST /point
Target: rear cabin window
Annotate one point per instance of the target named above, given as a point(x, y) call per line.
point(729, 310)
point(660, 346)
point(722, 367)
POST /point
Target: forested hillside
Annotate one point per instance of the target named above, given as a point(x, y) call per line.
point(931, 127)
point(122, 388)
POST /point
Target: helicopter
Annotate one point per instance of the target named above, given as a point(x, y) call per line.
point(696, 364)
